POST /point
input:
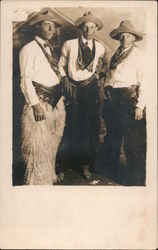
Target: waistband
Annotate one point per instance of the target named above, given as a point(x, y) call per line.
point(121, 84)
point(46, 89)
point(84, 83)
point(125, 92)
point(130, 88)
point(48, 94)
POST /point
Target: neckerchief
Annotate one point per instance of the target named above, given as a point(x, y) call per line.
point(119, 56)
point(53, 61)
point(85, 56)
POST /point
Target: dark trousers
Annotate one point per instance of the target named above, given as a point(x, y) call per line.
point(82, 123)
point(119, 116)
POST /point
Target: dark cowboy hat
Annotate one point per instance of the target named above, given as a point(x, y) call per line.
point(125, 27)
point(89, 17)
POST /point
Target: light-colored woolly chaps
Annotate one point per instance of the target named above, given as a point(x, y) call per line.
point(40, 142)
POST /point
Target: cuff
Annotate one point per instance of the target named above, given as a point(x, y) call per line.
point(34, 101)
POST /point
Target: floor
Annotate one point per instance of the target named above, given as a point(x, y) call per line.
point(74, 177)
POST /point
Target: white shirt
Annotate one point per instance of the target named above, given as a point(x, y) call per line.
point(34, 66)
point(130, 71)
point(69, 58)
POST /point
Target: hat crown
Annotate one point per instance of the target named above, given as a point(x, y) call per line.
point(89, 17)
point(44, 14)
point(126, 24)
point(31, 15)
point(125, 27)
point(87, 13)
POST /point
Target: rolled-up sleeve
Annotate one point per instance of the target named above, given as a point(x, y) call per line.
point(26, 59)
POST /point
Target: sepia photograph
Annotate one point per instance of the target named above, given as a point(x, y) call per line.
point(79, 108)
point(78, 128)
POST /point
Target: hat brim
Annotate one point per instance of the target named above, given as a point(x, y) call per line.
point(85, 19)
point(115, 34)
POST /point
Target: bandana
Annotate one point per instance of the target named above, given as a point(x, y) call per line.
point(85, 56)
point(119, 56)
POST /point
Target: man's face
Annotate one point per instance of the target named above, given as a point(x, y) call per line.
point(89, 30)
point(47, 30)
point(126, 40)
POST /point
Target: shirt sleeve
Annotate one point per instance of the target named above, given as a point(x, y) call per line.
point(141, 79)
point(26, 59)
point(102, 51)
point(63, 59)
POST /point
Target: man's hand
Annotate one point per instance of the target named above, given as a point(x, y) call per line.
point(38, 112)
point(138, 114)
point(67, 85)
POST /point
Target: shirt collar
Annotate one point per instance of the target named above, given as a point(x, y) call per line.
point(84, 40)
point(40, 40)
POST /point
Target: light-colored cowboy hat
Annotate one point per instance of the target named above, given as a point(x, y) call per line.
point(89, 17)
point(125, 27)
point(36, 17)
point(45, 14)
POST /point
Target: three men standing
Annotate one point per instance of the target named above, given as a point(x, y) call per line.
point(76, 76)
point(78, 65)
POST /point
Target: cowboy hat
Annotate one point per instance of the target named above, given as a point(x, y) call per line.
point(45, 14)
point(89, 17)
point(125, 27)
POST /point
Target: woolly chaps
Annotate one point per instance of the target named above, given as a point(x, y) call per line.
point(40, 142)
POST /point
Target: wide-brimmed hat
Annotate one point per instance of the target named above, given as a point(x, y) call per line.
point(36, 17)
point(125, 27)
point(45, 14)
point(89, 17)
